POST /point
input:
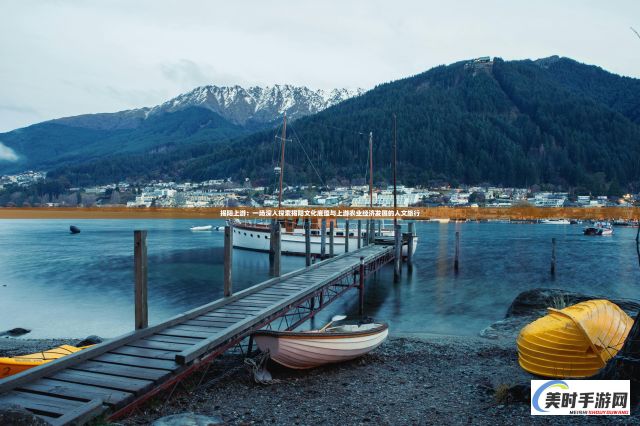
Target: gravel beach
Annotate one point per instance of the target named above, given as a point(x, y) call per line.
point(409, 380)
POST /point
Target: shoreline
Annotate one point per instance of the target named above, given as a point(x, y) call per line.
point(416, 378)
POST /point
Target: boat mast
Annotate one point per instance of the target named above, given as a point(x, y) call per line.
point(284, 136)
point(395, 145)
point(370, 169)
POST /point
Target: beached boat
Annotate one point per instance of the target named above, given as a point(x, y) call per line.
point(202, 228)
point(14, 365)
point(573, 342)
point(599, 228)
point(308, 349)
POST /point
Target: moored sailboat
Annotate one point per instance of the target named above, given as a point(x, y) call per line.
point(256, 235)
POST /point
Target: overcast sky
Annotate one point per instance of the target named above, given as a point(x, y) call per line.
point(69, 57)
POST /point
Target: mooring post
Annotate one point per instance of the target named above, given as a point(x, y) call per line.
point(346, 236)
point(361, 287)
point(456, 261)
point(272, 246)
point(372, 231)
point(553, 256)
point(307, 242)
point(398, 252)
point(140, 269)
point(323, 238)
point(228, 260)
point(331, 238)
point(276, 240)
point(410, 247)
point(359, 233)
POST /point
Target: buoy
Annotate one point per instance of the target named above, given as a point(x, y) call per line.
point(74, 229)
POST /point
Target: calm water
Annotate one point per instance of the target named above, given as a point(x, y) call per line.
point(63, 285)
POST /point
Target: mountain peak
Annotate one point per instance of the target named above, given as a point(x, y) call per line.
point(257, 104)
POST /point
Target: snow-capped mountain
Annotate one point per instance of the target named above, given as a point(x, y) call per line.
point(257, 104)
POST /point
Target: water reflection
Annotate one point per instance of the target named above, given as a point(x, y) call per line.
point(62, 285)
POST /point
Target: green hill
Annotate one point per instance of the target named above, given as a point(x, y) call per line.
point(516, 123)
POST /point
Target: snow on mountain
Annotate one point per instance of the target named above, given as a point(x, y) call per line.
point(257, 104)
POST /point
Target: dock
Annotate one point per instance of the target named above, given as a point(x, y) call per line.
point(113, 377)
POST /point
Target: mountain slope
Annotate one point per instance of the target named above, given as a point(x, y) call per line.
point(516, 123)
point(510, 123)
point(208, 113)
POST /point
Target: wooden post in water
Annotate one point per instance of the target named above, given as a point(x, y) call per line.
point(456, 261)
point(272, 247)
point(307, 242)
point(331, 239)
point(361, 286)
point(323, 238)
point(140, 269)
point(346, 236)
point(410, 247)
point(276, 240)
point(359, 233)
point(228, 260)
point(398, 252)
point(553, 257)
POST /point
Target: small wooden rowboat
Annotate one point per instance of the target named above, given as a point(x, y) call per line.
point(14, 365)
point(308, 349)
point(573, 342)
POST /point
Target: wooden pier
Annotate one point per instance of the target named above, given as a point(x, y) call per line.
point(113, 377)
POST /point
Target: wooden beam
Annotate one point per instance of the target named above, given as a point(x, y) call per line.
point(140, 268)
point(331, 232)
point(228, 260)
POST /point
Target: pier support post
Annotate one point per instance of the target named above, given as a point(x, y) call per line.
point(272, 249)
point(323, 238)
point(380, 228)
point(410, 247)
point(307, 242)
point(361, 286)
point(456, 261)
point(372, 232)
point(331, 230)
point(346, 236)
point(359, 233)
point(228, 260)
point(398, 252)
point(276, 240)
point(553, 257)
point(140, 268)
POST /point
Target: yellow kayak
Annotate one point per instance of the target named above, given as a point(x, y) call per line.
point(14, 365)
point(573, 342)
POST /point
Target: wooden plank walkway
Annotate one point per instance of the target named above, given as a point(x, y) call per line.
point(120, 372)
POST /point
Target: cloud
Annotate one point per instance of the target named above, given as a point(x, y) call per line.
point(7, 154)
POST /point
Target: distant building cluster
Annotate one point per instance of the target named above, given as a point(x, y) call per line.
point(227, 193)
point(22, 179)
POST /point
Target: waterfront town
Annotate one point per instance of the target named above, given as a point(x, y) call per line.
point(227, 193)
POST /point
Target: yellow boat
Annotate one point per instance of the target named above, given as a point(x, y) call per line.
point(14, 365)
point(573, 342)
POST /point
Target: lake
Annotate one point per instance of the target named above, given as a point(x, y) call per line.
point(63, 285)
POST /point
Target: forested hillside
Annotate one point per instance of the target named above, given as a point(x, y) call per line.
point(516, 123)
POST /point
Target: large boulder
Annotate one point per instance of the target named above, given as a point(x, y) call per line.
point(536, 301)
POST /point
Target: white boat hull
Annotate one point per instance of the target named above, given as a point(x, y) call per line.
point(202, 228)
point(304, 350)
point(294, 243)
